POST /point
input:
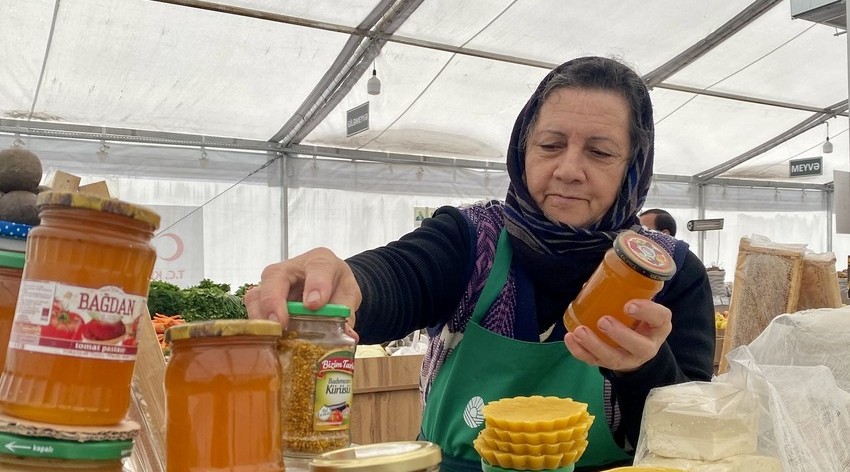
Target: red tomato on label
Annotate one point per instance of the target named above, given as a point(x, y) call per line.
point(63, 325)
point(336, 417)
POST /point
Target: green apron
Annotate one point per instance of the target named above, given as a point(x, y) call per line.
point(486, 366)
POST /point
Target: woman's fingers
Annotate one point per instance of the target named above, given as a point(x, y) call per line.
point(316, 277)
point(634, 346)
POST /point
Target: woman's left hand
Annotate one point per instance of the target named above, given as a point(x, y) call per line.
point(636, 346)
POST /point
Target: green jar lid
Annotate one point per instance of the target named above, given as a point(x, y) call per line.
point(335, 311)
point(644, 255)
point(49, 448)
point(13, 260)
point(223, 328)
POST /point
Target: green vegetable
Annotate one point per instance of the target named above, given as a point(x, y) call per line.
point(165, 298)
point(211, 304)
point(205, 301)
point(240, 292)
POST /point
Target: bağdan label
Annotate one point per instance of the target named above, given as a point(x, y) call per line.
point(67, 320)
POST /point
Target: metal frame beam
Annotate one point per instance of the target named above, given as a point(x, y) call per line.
point(737, 23)
point(805, 125)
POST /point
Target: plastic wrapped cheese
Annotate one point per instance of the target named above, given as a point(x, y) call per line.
point(746, 462)
point(701, 420)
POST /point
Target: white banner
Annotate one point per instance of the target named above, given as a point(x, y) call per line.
point(179, 245)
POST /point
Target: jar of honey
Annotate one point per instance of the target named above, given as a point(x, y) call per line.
point(84, 290)
point(317, 359)
point(635, 268)
point(401, 456)
point(36, 454)
point(222, 389)
point(11, 270)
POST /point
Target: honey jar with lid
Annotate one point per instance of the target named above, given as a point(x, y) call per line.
point(222, 388)
point(400, 456)
point(38, 454)
point(317, 358)
point(83, 291)
point(635, 268)
point(11, 270)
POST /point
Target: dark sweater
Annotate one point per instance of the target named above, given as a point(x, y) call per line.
point(417, 282)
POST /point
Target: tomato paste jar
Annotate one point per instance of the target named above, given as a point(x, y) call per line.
point(84, 290)
point(222, 388)
point(11, 270)
point(36, 454)
point(401, 456)
point(317, 359)
point(636, 267)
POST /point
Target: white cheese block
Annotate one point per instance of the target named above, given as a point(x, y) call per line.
point(747, 463)
point(701, 420)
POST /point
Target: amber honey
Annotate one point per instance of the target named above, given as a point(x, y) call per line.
point(223, 397)
point(84, 289)
point(11, 270)
point(635, 268)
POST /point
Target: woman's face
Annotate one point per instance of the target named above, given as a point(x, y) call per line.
point(577, 153)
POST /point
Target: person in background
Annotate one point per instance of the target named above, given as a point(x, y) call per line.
point(659, 220)
point(491, 281)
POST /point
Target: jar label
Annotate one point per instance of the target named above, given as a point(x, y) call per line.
point(334, 391)
point(76, 321)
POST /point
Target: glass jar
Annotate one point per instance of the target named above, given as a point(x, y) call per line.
point(317, 359)
point(402, 456)
point(37, 454)
point(11, 270)
point(635, 268)
point(84, 289)
point(222, 400)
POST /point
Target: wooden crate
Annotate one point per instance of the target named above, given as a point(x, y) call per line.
point(386, 403)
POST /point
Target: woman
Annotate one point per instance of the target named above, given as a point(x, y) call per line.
point(580, 162)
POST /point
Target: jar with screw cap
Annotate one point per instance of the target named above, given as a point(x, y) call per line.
point(635, 268)
point(222, 388)
point(317, 359)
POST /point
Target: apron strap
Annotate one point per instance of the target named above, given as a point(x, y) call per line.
point(497, 278)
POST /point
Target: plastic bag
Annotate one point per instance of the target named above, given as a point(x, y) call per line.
point(808, 338)
point(414, 343)
point(784, 382)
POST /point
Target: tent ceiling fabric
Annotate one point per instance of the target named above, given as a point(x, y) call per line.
point(454, 74)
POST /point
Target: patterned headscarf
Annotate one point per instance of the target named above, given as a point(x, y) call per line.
point(530, 230)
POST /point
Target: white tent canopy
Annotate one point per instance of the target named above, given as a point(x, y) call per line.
point(739, 89)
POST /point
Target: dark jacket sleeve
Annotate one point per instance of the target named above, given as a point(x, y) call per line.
point(688, 353)
point(415, 282)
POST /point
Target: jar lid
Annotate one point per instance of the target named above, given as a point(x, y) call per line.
point(14, 260)
point(222, 328)
point(644, 255)
point(402, 456)
point(93, 202)
point(338, 311)
point(49, 448)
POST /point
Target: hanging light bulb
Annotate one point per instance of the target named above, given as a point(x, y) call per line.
point(373, 85)
point(204, 160)
point(103, 151)
point(827, 146)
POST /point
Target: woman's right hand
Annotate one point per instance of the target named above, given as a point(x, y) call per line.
point(316, 278)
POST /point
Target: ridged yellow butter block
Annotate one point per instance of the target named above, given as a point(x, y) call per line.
point(534, 414)
point(578, 431)
point(496, 444)
point(507, 460)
